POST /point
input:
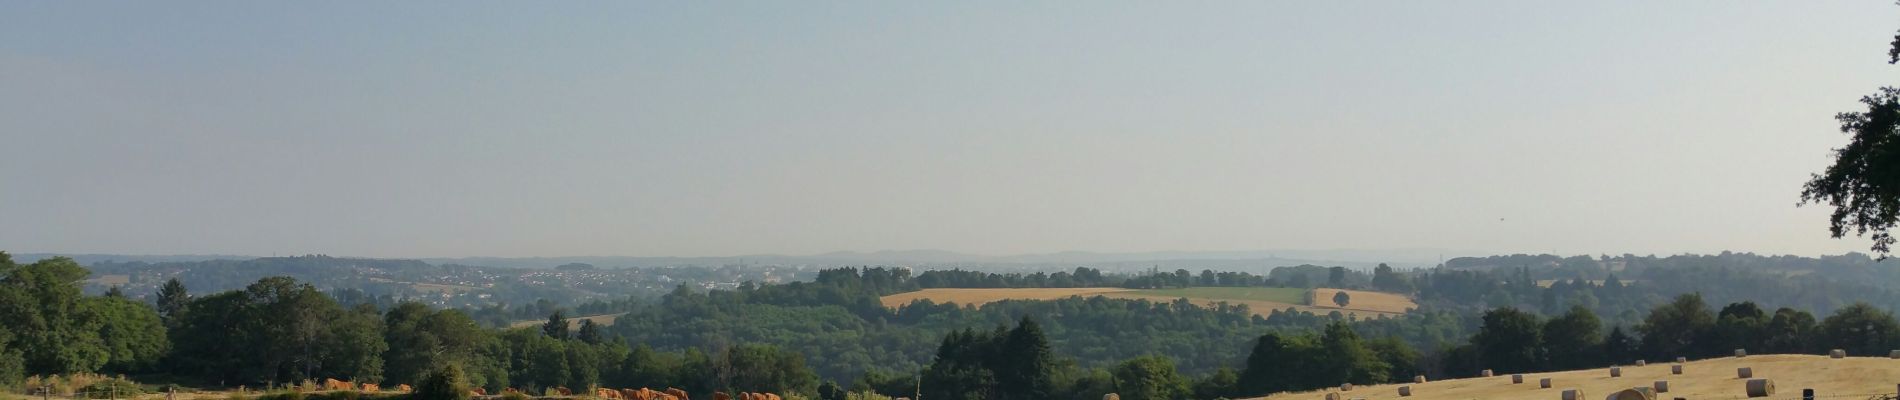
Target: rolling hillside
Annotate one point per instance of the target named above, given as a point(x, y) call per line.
point(1852, 377)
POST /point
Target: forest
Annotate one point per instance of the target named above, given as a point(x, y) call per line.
point(830, 336)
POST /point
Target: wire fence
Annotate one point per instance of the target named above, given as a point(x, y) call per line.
point(47, 393)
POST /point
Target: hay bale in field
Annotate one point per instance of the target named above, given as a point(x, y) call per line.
point(1543, 383)
point(1640, 393)
point(1661, 386)
point(1418, 379)
point(1405, 391)
point(1837, 353)
point(1517, 379)
point(1675, 369)
point(1485, 373)
point(1345, 387)
point(1744, 372)
point(1642, 363)
point(1761, 388)
point(1893, 354)
point(1680, 360)
point(1111, 396)
point(1573, 394)
point(1741, 353)
point(1332, 396)
point(1616, 372)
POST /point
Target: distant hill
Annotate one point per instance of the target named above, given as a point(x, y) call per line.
point(88, 259)
point(1253, 260)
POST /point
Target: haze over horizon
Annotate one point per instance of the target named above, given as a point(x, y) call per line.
point(693, 129)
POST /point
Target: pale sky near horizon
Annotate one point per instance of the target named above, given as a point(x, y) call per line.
point(427, 128)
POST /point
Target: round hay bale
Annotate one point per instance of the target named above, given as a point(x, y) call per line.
point(1744, 372)
point(1761, 388)
point(1741, 353)
point(1418, 379)
point(1112, 396)
point(1485, 373)
point(1573, 394)
point(1675, 369)
point(1632, 394)
point(1543, 383)
point(1680, 360)
point(1837, 353)
point(1893, 354)
point(1345, 387)
point(1517, 379)
point(1405, 391)
point(1616, 372)
point(1332, 396)
point(1661, 386)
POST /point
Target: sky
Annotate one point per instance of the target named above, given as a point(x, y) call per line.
point(465, 128)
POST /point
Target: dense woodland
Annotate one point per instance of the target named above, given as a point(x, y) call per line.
point(826, 337)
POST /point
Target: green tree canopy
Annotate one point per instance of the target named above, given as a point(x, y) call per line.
point(1150, 378)
point(1863, 184)
point(1861, 329)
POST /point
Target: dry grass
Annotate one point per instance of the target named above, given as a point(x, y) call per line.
point(986, 296)
point(1364, 301)
point(1852, 377)
point(602, 320)
point(112, 280)
point(1380, 303)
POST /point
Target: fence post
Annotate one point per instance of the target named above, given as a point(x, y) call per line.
point(1807, 394)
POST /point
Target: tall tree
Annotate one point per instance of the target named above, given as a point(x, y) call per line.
point(1277, 363)
point(1861, 329)
point(131, 331)
point(1740, 325)
point(421, 340)
point(1510, 340)
point(1863, 184)
point(1618, 347)
point(1789, 331)
point(1348, 359)
point(1678, 329)
point(1024, 372)
point(43, 304)
point(759, 368)
point(556, 327)
point(1384, 278)
point(589, 332)
point(1150, 378)
point(1574, 340)
point(172, 299)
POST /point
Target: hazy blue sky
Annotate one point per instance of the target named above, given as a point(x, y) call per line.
point(693, 128)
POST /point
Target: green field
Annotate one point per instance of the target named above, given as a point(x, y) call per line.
point(1277, 295)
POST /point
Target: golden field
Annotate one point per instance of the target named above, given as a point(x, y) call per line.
point(1261, 301)
point(1852, 377)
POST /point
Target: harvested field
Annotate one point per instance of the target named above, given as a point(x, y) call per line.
point(602, 320)
point(1365, 301)
point(1852, 377)
point(1260, 300)
point(986, 296)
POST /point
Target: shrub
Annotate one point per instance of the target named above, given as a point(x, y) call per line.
point(111, 388)
point(445, 384)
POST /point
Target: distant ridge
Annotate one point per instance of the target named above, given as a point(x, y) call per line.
point(1260, 260)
